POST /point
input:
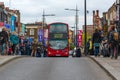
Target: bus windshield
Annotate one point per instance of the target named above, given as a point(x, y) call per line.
point(58, 28)
point(58, 44)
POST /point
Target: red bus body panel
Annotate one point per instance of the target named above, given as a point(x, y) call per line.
point(63, 52)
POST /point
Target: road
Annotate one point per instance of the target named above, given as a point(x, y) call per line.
point(52, 69)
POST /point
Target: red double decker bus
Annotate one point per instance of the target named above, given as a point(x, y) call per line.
point(58, 36)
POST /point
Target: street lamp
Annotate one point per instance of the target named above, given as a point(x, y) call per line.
point(76, 21)
point(43, 22)
point(85, 27)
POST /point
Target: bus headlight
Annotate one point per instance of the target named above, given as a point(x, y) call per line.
point(66, 52)
point(49, 52)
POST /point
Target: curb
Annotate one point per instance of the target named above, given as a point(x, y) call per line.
point(109, 74)
point(9, 60)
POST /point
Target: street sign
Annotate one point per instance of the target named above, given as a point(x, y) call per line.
point(40, 35)
point(79, 37)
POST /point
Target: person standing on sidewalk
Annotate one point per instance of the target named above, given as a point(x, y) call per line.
point(96, 39)
point(27, 48)
point(113, 37)
point(90, 47)
point(14, 39)
point(34, 48)
point(3, 41)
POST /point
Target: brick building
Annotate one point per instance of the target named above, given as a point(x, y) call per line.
point(32, 29)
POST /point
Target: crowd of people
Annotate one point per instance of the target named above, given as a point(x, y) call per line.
point(108, 45)
point(14, 44)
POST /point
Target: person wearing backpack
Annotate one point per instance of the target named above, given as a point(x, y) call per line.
point(113, 41)
point(14, 39)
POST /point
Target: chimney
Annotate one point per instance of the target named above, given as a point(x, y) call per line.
point(93, 13)
point(97, 12)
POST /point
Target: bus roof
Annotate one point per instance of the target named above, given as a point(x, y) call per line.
point(58, 23)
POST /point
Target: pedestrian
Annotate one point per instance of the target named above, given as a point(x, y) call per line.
point(45, 52)
point(22, 49)
point(113, 42)
point(34, 48)
point(90, 47)
point(78, 52)
point(10, 49)
point(4, 41)
point(27, 48)
point(38, 52)
point(96, 39)
point(14, 39)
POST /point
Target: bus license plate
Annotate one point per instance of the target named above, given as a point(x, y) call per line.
point(58, 55)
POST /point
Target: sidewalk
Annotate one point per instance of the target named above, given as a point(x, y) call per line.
point(111, 66)
point(6, 59)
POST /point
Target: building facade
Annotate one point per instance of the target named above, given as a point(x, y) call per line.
point(9, 18)
point(32, 29)
point(89, 29)
point(111, 14)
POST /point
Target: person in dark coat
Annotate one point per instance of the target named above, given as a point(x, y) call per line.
point(45, 52)
point(78, 52)
point(96, 39)
point(27, 48)
point(3, 41)
point(38, 52)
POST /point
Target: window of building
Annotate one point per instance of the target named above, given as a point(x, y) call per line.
point(31, 31)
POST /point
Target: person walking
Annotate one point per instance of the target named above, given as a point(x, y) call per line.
point(14, 39)
point(34, 48)
point(45, 52)
point(113, 37)
point(90, 47)
point(27, 48)
point(3, 41)
point(96, 39)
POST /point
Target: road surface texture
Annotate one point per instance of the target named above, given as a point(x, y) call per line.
point(52, 69)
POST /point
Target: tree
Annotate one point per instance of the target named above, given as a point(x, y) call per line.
point(72, 46)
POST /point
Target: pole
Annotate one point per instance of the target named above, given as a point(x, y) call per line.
point(74, 36)
point(43, 26)
point(43, 19)
point(76, 24)
point(85, 28)
point(43, 22)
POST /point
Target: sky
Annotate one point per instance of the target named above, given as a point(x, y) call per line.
point(32, 10)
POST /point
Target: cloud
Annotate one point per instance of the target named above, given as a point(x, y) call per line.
point(32, 10)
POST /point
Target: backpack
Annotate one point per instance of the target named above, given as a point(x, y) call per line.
point(14, 39)
point(115, 36)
